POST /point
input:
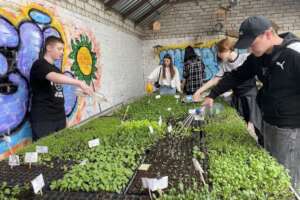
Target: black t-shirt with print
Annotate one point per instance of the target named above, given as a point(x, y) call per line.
point(47, 97)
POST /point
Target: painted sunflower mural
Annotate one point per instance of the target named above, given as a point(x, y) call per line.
point(84, 59)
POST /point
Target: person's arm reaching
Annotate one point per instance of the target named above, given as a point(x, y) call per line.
point(206, 86)
point(63, 79)
point(177, 81)
point(233, 79)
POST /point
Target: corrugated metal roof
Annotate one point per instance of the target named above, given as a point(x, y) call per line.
point(143, 12)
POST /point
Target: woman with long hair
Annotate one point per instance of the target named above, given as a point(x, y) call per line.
point(166, 77)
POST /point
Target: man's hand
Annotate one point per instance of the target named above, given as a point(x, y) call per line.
point(208, 102)
point(85, 88)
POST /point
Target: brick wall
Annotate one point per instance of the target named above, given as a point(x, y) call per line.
point(197, 18)
point(193, 21)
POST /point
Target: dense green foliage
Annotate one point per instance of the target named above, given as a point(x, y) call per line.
point(238, 168)
point(110, 165)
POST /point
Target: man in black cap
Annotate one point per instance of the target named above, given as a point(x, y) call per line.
point(275, 60)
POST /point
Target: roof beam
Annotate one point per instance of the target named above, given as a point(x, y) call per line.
point(110, 3)
point(154, 8)
point(134, 8)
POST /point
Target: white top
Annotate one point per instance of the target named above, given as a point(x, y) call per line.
point(229, 66)
point(174, 83)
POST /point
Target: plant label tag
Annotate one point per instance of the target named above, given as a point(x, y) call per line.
point(144, 167)
point(162, 183)
point(170, 129)
point(41, 149)
point(148, 182)
point(151, 129)
point(197, 165)
point(31, 157)
point(155, 184)
point(14, 160)
point(177, 96)
point(160, 121)
point(38, 183)
point(94, 143)
point(83, 162)
point(157, 97)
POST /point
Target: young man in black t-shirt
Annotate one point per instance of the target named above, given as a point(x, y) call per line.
point(47, 113)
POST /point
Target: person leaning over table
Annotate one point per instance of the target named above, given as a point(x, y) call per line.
point(166, 77)
point(275, 60)
point(244, 95)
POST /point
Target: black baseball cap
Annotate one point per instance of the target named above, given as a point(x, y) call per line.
point(250, 29)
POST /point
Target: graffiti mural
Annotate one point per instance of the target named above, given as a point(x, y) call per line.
point(206, 51)
point(84, 59)
point(23, 31)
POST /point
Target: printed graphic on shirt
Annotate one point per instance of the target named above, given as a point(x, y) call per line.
point(58, 90)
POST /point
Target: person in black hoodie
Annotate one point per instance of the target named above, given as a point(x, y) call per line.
point(275, 59)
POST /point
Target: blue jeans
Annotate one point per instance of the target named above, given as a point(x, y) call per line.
point(284, 145)
point(167, 90)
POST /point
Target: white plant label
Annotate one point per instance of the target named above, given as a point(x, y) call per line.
point(38, 183)
point(170, 129)
point(41, 149)
point(31, 157)
point(160, 121)
point(151, 129)
point(14, 160)
point(144, 167)
point(155, 184)
point(177, 96)
point(83, 162)
point(197, 165)
point(94, 143)
point(157, 97)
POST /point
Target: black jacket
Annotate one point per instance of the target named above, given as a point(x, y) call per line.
point(279, 98)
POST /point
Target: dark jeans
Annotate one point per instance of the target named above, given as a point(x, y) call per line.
point(42, 129)
point(284, 145)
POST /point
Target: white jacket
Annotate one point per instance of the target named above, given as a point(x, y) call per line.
point(174, 83)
